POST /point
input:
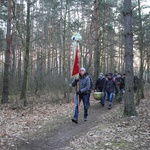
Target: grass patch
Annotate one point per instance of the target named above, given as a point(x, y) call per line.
point(122, 145)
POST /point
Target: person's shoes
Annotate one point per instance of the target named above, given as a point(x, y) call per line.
point(74, 120)
point(102, 105)
point(109, 107)
point(85, 119)
point(120, 99)
point(120, 102)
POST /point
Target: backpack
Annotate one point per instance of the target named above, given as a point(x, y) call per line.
point(91, 82)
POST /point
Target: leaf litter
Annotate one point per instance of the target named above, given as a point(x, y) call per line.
point(113, 131)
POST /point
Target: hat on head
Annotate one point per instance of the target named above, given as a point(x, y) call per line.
point(83, 69)
point(106, 75)
point(101, 73)
point(110, 74)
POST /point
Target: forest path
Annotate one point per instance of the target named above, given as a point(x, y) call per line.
point(55, 136)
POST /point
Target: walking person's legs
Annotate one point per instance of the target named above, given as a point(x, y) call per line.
point(75, 118)
point(104, 94)
point(89, 94)
point(110, 99)
point(85, 104)
point(120, 95)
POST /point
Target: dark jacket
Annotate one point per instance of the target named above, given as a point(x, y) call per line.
point(110, 85)
point(84, 84)
point(100, 84)
point(120, 82)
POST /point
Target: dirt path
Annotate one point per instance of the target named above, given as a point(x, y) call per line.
point(56, 135)
point(49, 127)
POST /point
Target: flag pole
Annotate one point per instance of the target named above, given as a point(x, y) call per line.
point(75, 70)
point(78, 86)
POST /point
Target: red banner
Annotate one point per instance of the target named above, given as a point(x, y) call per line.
point(75, 69)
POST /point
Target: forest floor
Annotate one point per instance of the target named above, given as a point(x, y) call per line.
point(47, 126)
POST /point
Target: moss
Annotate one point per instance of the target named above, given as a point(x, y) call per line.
point(122, 144)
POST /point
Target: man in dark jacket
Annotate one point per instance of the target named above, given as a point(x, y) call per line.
point(115, 75)
point(99, 85)
point(109, 87)
point(121, 85)
point(81, 93)
point(136, 82)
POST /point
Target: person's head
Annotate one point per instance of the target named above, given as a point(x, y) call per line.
point(110, 75)
point(82, 71)
point(106, 75)
point(101, 75)
point(118, 75)
point(115, 72)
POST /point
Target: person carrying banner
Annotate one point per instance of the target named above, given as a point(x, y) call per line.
point(81, 93)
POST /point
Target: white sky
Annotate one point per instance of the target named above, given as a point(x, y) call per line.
point(146, 3)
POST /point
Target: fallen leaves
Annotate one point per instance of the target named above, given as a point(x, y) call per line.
point(114, 132)
point(15, 125)
point(118, 133)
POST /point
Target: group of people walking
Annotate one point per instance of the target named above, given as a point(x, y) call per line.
point(110, 84)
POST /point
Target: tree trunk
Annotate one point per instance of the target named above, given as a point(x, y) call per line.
point(26, 58)
point(64, 69)
point(129, 107)
point(8, 52)
point(96, 41)
point(141, 44)
point(148, 73)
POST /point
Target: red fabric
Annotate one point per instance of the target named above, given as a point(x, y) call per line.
point(75, 69)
